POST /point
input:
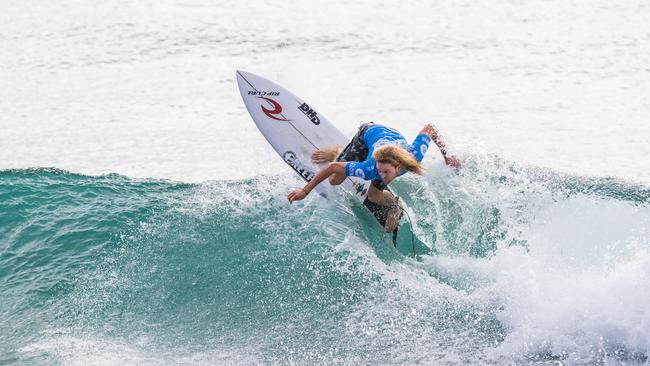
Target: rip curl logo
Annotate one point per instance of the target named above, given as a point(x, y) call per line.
point(269, 93)
point(271, 113)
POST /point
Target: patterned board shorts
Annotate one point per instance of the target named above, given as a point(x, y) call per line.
point(357, 150)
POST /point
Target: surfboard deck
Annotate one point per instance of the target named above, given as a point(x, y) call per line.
point(295, 130)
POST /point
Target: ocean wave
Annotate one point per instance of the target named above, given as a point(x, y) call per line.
point(529, 266)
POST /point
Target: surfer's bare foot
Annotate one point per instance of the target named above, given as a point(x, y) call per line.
point(325, 155)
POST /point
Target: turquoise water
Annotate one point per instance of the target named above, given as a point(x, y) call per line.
point(108, 269)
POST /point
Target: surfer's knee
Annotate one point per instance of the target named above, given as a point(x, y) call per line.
point(374, 194)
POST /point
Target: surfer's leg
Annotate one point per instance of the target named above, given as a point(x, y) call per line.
point(379, 195)
point(394, 214)
point(326, 155)
point(356, 150)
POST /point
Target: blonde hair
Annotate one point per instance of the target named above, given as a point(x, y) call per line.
point(399, 157)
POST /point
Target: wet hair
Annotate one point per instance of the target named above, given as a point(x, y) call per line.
point(399, 157)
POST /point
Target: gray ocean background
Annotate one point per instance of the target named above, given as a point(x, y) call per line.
point(143, 217)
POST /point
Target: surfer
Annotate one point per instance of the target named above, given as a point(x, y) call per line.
point(379, 154)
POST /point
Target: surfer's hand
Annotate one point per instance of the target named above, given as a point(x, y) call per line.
point(452, 161)
point(296, 195)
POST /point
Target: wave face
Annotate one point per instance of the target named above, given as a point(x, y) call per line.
point(529, 267)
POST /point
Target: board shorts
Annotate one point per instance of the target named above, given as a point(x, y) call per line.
point(357, 150)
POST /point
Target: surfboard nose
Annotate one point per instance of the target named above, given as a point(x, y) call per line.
point(242, 76)
point(243, 73)
point(248, 79)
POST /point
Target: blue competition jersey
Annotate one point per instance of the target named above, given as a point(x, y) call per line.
point(377, 136)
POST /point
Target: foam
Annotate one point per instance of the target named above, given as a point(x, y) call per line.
point(72, 350)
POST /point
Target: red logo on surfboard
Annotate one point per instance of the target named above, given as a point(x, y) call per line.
point(272, 113)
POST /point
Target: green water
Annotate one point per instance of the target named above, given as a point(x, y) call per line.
point(114, 270)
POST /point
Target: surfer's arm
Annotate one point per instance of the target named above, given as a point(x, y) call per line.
point(331, 168)
point(430, 131)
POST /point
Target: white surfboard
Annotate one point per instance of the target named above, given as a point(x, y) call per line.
point(295, 129)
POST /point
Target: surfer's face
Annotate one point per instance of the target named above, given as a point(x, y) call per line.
point(387, 171)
